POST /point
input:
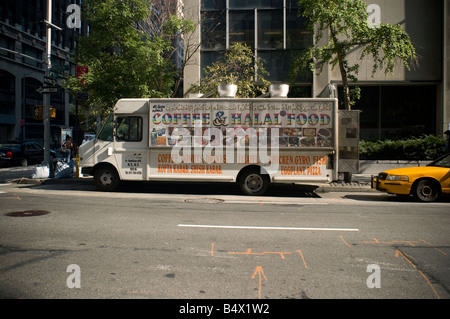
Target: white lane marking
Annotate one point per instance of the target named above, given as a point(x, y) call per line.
point(268, 227)
point(269, 202)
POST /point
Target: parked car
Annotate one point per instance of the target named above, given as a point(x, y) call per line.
point(425, 183)
point(21, 153)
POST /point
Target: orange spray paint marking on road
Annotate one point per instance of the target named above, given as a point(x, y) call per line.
point(259, 271)
point(376, 241)
point(342, 238)
point(249, 252)
point(437, 249)
point(303, 258)
point(398, 252)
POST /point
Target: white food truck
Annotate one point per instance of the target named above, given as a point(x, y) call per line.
point(254, 142)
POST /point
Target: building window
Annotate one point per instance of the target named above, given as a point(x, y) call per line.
point(32, 56)
point(213, 5)
point(251, 4)
point(242, 27)
point(396, 112)
point(213, 30)
point(271, 28)
point(6, 47)
point(207, 59)
point(297, 34)
point(7, 93)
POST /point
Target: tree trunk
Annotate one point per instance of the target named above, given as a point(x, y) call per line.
point(341, 56)
point(345, 84)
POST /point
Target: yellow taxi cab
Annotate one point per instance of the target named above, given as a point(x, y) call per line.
point(425, 183)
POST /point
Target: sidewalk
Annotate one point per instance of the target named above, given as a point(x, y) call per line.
point(360, 183)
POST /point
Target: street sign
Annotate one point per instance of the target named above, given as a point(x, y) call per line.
point(47, 89)
point(49, 80)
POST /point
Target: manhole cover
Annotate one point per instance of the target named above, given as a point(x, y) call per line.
point(28, 213)
point(204, 200)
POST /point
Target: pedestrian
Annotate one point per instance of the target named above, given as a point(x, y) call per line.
point(67, 147)
point(86, 139)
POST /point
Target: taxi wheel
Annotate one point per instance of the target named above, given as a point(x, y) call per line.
point(426, 191)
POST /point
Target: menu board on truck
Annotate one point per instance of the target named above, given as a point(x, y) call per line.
point(298, 124)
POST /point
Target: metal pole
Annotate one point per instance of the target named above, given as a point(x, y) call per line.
point(46, 97)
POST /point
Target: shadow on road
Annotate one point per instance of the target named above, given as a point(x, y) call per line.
point(189, 188)
point(380, 197)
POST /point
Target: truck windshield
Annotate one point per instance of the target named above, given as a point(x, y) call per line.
point(106, 134)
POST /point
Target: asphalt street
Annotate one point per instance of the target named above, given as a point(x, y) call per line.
point(207, 241)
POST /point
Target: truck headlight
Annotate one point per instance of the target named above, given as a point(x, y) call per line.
point(401, 178)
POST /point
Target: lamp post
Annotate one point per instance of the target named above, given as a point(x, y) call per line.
point(46, 97)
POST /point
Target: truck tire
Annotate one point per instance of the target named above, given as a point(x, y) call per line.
point(106, 178)
point(426, 191)
point(253, 182)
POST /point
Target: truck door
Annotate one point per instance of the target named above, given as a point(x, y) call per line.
point(102, 148)
point(130, 146)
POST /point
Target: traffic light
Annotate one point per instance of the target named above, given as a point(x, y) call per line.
point(37, 112)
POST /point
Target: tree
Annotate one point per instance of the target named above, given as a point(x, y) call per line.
point(123, 60)
point(346, 23)
point(161, 22)
point(239, 67)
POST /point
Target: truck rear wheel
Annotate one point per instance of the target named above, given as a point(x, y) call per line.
point(253, 182)
point(106, 178)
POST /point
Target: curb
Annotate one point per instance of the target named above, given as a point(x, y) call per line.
point(318, 188)
point(28, 181)
point(39, 181)
point(354, 187)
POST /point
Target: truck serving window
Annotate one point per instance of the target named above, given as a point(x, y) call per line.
point(129, 128)
point(106, 134)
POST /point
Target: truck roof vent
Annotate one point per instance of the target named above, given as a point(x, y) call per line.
point(227, 90)
point(279, 90)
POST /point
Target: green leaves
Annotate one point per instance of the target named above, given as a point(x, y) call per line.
point(239, 67)
point(343, 23)
point(426, 147)
point(124, 61)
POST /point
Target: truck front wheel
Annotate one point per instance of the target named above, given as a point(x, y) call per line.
point(106, 178)
point(253, 182)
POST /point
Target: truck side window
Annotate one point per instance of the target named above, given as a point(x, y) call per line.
point(129, 128)
point(106, 134)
